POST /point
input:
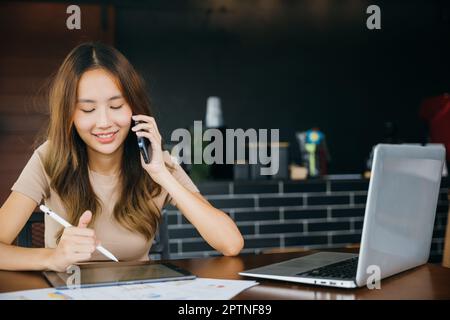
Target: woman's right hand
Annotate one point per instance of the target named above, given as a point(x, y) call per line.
point(76, 245)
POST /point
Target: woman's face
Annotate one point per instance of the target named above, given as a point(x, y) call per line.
point(102, 117)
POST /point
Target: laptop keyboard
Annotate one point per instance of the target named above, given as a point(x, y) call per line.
point(341, 270)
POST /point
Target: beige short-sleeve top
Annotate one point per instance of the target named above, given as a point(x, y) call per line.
point(124, 244)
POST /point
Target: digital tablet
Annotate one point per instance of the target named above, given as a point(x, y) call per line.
point(108, 274)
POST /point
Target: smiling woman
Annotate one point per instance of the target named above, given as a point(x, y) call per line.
point(94, 94)
point(90, 171)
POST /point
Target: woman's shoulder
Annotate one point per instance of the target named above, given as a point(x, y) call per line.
point(42, 149)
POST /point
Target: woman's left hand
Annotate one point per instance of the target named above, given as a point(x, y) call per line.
point(148, 129)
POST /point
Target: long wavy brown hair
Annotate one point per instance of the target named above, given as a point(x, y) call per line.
point(66, 162)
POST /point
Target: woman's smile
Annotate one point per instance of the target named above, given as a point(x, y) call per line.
point(106, 137)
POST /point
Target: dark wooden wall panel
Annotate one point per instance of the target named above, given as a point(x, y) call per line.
point(35, 40)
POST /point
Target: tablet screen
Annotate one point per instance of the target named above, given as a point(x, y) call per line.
point(98, 275)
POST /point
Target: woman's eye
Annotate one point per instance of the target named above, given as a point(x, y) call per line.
point(118, 107)
point(87, 111)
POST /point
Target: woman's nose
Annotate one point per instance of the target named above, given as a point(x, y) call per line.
point(103, 119)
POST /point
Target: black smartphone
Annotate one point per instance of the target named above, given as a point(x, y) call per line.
point(144, 147)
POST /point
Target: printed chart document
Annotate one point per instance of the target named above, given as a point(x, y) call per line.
point(197, 289)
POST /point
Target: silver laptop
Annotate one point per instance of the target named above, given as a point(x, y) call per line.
point(398, 223)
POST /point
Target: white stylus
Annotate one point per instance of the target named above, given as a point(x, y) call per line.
point(66, 224)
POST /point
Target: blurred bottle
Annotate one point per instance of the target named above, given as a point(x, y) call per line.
point(214, 116)
point(214, 120)
point(314, 152)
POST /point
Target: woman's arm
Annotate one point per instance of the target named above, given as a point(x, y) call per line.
point(14, 214)
point(76, 244)
point(214, 225)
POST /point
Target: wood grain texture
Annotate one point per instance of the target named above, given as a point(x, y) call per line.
point(428, 282)
point(36, 44)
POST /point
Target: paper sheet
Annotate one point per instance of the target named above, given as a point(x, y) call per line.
point(197, 289)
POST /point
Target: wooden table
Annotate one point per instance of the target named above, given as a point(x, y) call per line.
point(430, 281)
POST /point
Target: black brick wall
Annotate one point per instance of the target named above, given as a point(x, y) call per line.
point(313, 214)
